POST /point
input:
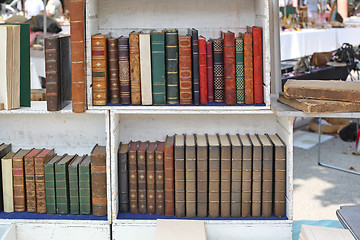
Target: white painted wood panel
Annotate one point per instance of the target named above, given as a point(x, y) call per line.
point(7, 232)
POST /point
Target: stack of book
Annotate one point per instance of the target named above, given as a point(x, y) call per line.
point(309, 232)
point(159, 68)
point(204, 176)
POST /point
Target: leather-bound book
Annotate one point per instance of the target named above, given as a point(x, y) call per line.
point(229, 68)
point(185, 70)
point(195, 65)
point(141, 174)
point(52, 68)
point(124, 70)
point(135, 78)
point(77, 30)
point(246, 176)
point(190, 175)
point(40, 159)
point(123, 181)
point(73, 170)
point(256, 176)
point(99, 69)
point(172, 66)
point(85, 186)
point(29, 164)
point(239, 60)
point(219, 84)
point(65, 71)
point(7, 182)
point(150, 175)
point(203, 71)
point(169, 176)
point(279, 176)
point(225, 179)
point(214, 176)
point(248, 68)
point(179, 152)
point(145, 68)
point(267, 176)
point(49, 169)
point(210, 70)
point(19, 180)
point(113, 58)
point(98, 180)
point(159, 175)
point(258, 65)
point(236, 175)
point(133, 179)
point(158, 67)
point(4, 150)
point(202, 167)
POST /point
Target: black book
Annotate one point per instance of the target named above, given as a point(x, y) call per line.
point(123, 182)
point(195, 65)
point(65, 71)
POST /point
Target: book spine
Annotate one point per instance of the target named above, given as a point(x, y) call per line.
point(19, 185)
point(62, 189)
point(280, 181)
point(123, 183)
point(158, 67)
point(225, 181)
point(169, 180)
point(65, 70)
point(219, 86)
point(99, 69)
point(49, 170)
point(190, 176)
point(98, 184)
point(7, 182)
point(85, 189)
point(229, 68)
point(172, 67)
point(256, 181)
point(214, 181)
point(124, 71)
point(141, 170)
point(159, 182)
point(185, 81)
point(52, 69)
point(113, 56)
point(145, 69)
point(203, 71)
point(150, 185)
point(236, 171)
point(258, 65)
point(30, 184)
point(246, 182)
point(202, 181)
point(135, 79)
point(248, 69)
point(239, 58)
point(195, 66)
point(267, 181)
point(133, 188)
point(179, 167)
point(74, 189)
point(25, 82)
point(210, 71)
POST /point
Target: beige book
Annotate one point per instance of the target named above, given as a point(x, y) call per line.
point(3, 65)
point(7, 181)
point(309, 232)
point(15, 88)
point(145, 68)
point(180, 230)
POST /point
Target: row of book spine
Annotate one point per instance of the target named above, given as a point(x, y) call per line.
point(38, 180)
point(161, 68)
point(204, 176)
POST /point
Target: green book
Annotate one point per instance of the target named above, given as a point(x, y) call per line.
point(62, 184)
point(239, 61)
point(172, 66)
point(73, 169)
point(158, 67)
point(85, 186)
point(49, 168)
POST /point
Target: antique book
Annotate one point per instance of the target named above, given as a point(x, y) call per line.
point(65, 71)
point(85, 186)
point(123, 181)
point(133, 177)
point(179, 168)
point(210, 70)
point(229, 68)
point(279, 156)
point(239, 60)
point(267, 176)
point(40, 159)
point(113, 61)
point(135, 78)
point(4, 150)
point(190, 175)
point(141, 175)
point(99, 69)
point(202, 167)
point(310, 232)
point(248, 68)
point(256, 176)
point(150, 178)
point(195, 65)
point(145, 68)
point(214, 176)
point(49, 170)
point(203, 71)
point(73, 170)
point(172, 66)
point(77, 30)
point(258, 64)
point(236, 175)
point(185, 70)
point(124, 70)
point(159, 175)
point(169, 176)
point(158, 67)
point(7, 182)
point(19, 180)
point(246, 176)
point(98, 180)
point(349, 218)
point(179, 229)
point(225, 176)
point(219, 84)
point(29, 167)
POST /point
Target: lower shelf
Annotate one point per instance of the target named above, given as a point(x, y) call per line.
point(38, 216)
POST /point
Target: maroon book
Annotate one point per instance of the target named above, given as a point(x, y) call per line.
point(258, 65)
point(203, 71)
point(229, 68)
point(210, 70)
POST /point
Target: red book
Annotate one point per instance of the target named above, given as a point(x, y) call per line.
point(229, 68)
point(248, 68)
point(185, 78)
point(203, 71)
point(258, 65)
point(210, 70)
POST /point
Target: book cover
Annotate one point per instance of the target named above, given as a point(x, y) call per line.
point(219, 84)
point(145, 69)
point(236, 175)
point(248, 68)
point(99, 69)
point(19, 180)
point(229, 68)
point(239, 59)
point(185, 70)
point(172, 66)
point(179, 168)
point(246, 176)
point(65, 71)
point(98, 180)
point(141, 174)
point(225, 176)
point(159, 175)
point(150, 178)
point(210, 70)
point(203, 71)
point(85, 186)
point(158, 67)
point(73, 170)
point(169, 176)
point(190, 175)
point(113, 58)
point(256, 176)
point(135, 78)
point(195, 65)
point(49, 169)
point(123, 180)
point(7, 182)
point(124, 70)
point(202, 167)
point(133, 177)
point(258, 64)
point(214, 176)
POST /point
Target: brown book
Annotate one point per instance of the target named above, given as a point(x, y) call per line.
point(202, 175)
point(169, 175)
point(214, 176)
point(256, 176)
point(159, 182)
point(236, 171)
point(99, 69)
point(179, 176)
point(19, 180)
point(190, 175)
point(98, 180)
point(246, 176)
point(141, 174)
point(229, 68)
point(124, 70)
point(279, 176)
point(185, 73)
point(133, 179)
point(113, 58)
point(150, 175)
point(40, 159)
point(135, 68)
point(225, 179)
point(52, 68)
point(249, 69)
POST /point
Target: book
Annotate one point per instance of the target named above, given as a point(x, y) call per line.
point(99, 69)
point(159, 175)
point(123, 181)
point(258, 64)
point(239, 61)
point(98, 180)
point(179, 229)
point(4, 150)
point(169, 176)
point(135, 78)
point(73, 170)
point(85, 186)
point(113, 61)
point(19, 180)
point(248, 68)
point(179, 168)
point(124, 70)
point(195, 65)
point(202, 167)
point(229, 68)
point(7, 182)
point(49, 170)
point(52, 68)
point(349, 218)
point(236, 175)
point(65, 71)
point(185, 70)
point(145, 68)
point(203, 71)
point(158, 67)
point(267, 176)
point(219, 85)
point(172, 66)
point(150, 178)
point(133, 177)
point(309, 232)
point(210, 70)
point(225, 176)
point(141, 174)
point(246, 176)
point(214, 176)
point(256, 176)
point(190, 175)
